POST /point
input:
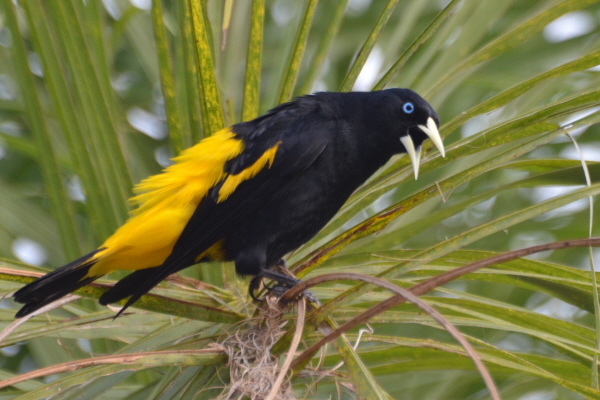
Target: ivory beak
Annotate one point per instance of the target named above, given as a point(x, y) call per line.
point(431, 130)
point(414, 154)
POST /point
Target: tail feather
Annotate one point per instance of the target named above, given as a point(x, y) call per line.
point(126, 286)
point(55, 285)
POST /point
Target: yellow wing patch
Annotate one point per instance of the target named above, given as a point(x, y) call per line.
point(213, 253)
point(194, 173)
point(167, 201)
point(232, 181)
point(144, 241)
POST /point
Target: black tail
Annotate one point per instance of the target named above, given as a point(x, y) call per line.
point(126, 286)
point(55, 285)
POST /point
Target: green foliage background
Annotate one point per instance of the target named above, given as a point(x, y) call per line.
point(74, 74)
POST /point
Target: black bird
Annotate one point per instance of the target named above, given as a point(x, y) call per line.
point(250, 193)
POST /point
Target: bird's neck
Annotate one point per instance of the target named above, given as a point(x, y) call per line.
point(360, 156)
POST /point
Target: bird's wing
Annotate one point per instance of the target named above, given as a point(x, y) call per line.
point(166, 203)
point(267, 160)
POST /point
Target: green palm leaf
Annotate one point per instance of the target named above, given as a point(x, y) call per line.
point(75, 75)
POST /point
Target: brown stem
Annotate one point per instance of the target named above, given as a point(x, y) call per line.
point(433, 313)
point(422, 288)
point(124, 359)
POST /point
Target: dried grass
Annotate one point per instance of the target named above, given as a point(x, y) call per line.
point(253, 369)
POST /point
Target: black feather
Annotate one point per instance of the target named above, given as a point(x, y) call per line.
point(55, 285)
point(126, 286)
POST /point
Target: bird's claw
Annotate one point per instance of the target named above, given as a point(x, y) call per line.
point(254, 286)
point(282, 285)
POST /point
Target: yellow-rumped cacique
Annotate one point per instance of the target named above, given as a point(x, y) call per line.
point(250, 193)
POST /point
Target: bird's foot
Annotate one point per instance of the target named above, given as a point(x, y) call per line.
point(278, 291)
point(282, 284)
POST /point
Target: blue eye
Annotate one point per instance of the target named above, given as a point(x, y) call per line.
point(408, 108)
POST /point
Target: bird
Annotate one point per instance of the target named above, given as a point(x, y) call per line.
point(250, 193)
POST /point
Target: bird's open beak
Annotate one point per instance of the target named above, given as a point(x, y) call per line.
point(431, 130)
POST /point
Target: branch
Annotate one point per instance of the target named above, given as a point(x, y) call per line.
point(146, 358)
point(423, 288)
point(406, 295)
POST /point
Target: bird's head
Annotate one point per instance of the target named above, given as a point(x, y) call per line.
point(410, 120)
